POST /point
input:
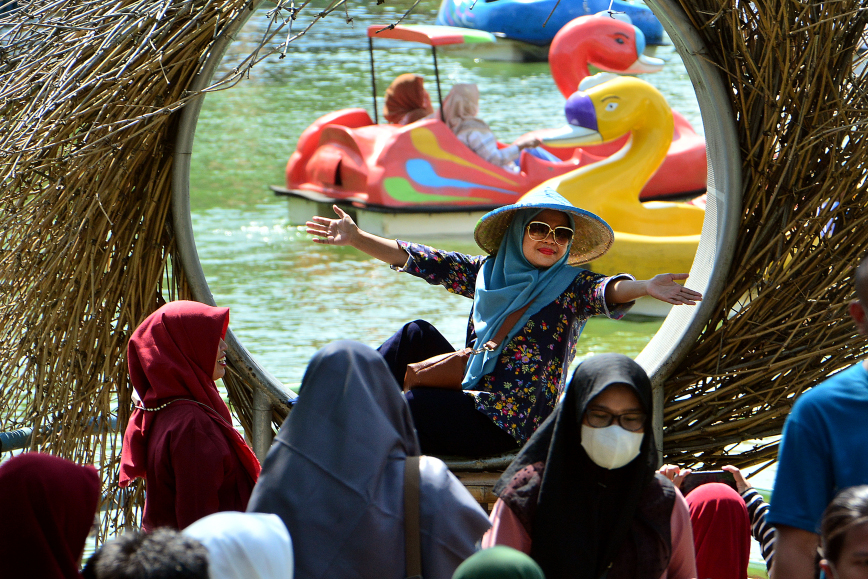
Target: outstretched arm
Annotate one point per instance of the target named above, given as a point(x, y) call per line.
point(662, 287)
point(344, 231)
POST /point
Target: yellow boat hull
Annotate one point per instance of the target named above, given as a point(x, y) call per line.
point(645, 256)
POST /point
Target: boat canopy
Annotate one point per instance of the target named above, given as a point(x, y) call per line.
point(430, 34)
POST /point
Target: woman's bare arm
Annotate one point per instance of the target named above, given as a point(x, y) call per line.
point(662, 287)
point(344, 231)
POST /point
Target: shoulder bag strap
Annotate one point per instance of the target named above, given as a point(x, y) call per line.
point(507, 325)
point(412, 536)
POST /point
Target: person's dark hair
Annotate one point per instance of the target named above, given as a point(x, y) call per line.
point(848, 509)
point(860, 281)
point(161, 554)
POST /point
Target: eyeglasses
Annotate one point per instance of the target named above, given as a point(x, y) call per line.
point(630, 421)
point(539, 231)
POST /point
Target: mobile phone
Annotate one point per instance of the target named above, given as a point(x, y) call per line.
point(701, 477)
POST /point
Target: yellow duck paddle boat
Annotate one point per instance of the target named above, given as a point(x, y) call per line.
point(650, 238)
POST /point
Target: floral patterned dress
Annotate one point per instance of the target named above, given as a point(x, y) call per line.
point(530, 375)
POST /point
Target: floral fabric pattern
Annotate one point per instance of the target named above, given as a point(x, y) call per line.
point(526, 384)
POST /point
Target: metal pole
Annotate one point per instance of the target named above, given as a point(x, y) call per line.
point(262, 433)
point(658, 398)
point(437, 77)
point(21, 438)
point(15, 439)
point(373, 80)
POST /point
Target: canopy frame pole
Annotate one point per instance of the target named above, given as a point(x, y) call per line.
point(373, 80)
point(437, 78)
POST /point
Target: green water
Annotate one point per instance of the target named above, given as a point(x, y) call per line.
point(288, 296)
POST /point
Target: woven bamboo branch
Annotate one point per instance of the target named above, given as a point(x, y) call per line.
point(781, 326)
point(88, 96)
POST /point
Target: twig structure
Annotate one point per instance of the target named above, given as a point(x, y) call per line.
point(801, 104)
point(89, 95)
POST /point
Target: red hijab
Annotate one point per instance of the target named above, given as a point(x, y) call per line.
point(721, 531)
point(47, 506)
point(171, 356)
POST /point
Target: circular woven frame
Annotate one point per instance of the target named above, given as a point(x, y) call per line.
point(89, 96)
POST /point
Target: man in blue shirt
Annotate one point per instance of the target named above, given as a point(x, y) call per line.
point(824, 449)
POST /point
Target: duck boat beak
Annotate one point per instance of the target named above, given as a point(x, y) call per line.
point(581, 128)
point(570, 136)
point(645, 64)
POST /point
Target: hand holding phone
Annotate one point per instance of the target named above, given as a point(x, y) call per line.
point(697, 478)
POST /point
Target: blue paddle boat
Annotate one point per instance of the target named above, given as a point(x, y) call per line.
point(535, 22)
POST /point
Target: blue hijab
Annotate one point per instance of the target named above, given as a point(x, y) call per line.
point(508, 283)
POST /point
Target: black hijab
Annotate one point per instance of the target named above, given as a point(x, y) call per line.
point(584, 512)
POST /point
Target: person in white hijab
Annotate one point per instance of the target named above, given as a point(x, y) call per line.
point(460, 110)
point(245, 545)
point(335, 475)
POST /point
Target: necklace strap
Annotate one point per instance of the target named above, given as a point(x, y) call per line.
point(164, 405)
point(205, 406)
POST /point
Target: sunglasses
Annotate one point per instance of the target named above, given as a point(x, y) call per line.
point(539, 231)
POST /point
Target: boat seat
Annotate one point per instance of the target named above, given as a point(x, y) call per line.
point(480, 475)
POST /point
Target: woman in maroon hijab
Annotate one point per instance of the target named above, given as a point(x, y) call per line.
point(180, 436)
point(47, 507)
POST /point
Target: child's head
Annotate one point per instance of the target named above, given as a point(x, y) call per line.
point(845, 535)
point(161, 554)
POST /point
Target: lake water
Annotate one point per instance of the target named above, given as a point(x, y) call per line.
point(288, 296)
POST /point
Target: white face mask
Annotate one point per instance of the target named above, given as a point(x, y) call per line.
point(611, 447)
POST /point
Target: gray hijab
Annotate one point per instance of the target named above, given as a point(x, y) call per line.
point(335, 475)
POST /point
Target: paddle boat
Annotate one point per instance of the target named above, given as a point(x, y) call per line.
point(528, 26)
point(595, 40)
point(419, 179)
point(650, 238)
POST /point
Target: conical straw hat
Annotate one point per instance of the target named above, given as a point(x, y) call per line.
point(593, 236)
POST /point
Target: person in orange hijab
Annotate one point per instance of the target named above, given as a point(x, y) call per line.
point(407, 100)
point(180, 437)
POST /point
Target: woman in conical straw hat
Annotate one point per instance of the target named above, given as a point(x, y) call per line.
point(534, 248)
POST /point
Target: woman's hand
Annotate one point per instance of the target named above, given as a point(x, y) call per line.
point(527, 142)
point(341, 231)
point(741, 483)
point(674, 473)
point(344, 231)
point(664, 288)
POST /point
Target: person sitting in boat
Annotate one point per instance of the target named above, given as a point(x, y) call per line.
point(407, 101)
point(535, 245)
point(335, 476)
point(459, 112)
point(180, 437)
point(47, 509)
point(583, 498)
